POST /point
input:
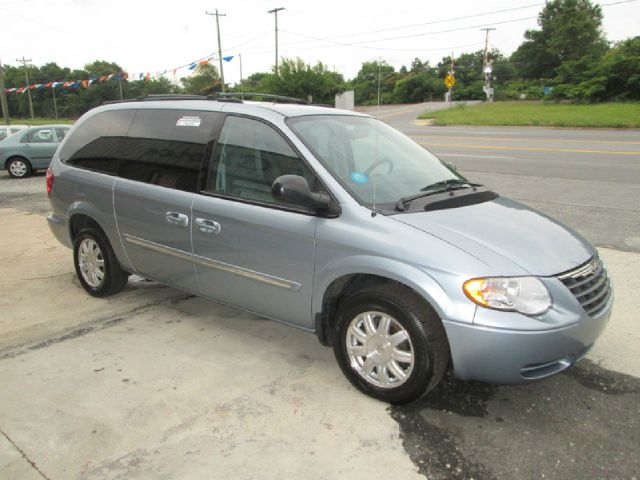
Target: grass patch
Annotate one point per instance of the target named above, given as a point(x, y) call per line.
point(601, 115)
point(42, 121)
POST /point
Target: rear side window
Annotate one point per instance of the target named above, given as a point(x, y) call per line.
point(3, 134)
point(43, 135)
point(97, 144)
point(166, 147)
point(61, 133)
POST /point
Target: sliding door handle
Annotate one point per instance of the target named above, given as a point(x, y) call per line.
point(208, 226)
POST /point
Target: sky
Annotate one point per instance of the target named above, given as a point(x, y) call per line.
point(153, 36)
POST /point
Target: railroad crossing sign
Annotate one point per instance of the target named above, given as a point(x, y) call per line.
point(449, 81)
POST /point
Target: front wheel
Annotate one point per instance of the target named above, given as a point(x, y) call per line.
point(19, 168)
point(96, 264)
point(390, 343)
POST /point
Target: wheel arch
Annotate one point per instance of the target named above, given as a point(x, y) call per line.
point(356, 274)
point(81, 214)
point(15, 156)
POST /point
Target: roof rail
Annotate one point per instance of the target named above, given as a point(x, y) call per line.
point(145, 98)
point(231, 97)
point(268, 96)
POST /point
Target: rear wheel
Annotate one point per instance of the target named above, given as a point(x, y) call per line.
point(96, 264)
point(19, 167)
point(390, 343)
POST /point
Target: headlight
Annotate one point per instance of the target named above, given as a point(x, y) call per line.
point(526, 295)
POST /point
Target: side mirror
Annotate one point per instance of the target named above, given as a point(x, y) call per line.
point(294, 189)
point(452, 166)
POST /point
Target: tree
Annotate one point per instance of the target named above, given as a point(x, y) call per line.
point(365, 83)
point(204, 81)
point(299, 80)
point(569, 42)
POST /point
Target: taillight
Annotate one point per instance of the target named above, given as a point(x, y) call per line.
point(49, 179)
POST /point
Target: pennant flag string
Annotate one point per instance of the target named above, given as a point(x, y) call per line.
point(146, 76)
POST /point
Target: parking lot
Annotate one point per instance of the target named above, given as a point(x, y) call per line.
point(156, 383)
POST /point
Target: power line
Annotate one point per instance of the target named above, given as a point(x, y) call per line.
point(369, 47)
point(451, 30)
point(445, 20)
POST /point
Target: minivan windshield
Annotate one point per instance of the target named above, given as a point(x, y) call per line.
point(375, 162)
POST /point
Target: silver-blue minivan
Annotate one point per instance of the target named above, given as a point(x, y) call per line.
point(332, 222)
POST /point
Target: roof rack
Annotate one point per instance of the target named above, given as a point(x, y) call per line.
point(268, 96)
point(174, 96)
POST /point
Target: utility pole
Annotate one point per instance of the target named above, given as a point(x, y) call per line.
point(379, 80)
point(275, 12)
point(241, 86)
point(452, 72)
point(486, 66)
point(218, 15)
point(3, 97)
point(55, 104)
point(26, 73)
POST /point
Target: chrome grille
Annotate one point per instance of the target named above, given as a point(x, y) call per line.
point(590, 284)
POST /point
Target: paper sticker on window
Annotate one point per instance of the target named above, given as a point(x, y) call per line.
point(189, 122)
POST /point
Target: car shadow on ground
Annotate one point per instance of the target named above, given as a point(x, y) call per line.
point(583, 423)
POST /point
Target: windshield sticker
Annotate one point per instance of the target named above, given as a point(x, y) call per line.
point(357, 177)
point(189, 122)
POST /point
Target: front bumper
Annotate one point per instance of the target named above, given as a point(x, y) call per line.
point(505, 356)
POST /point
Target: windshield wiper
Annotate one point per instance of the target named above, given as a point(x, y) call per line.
point(438, 187)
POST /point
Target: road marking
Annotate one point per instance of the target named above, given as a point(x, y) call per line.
point(578, 140)
point(474, 156)
point(530, 149)
point(401, 112)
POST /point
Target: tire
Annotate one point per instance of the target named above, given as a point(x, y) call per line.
point(423, 356)
point(96, 264)
point(19, 167)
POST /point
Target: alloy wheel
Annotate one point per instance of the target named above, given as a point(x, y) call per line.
point(380, 349)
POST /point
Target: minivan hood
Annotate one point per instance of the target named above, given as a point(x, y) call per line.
point(525, 237)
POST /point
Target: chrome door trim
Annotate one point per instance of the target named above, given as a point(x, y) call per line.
point(208, 262)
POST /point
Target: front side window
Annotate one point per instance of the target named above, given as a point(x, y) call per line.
point(3, 134)
point(247, 159)
point(375, 162)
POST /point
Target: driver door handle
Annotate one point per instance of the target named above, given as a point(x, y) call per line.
point(208, 226)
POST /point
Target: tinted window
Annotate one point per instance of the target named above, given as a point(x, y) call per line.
point(3, 134)
point(166, 147)
point(42, 135)
point(97, 143)
point(248, 157)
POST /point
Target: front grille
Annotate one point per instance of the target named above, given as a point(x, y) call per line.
point(590, 284)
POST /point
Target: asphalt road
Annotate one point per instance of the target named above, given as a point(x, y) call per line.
point(588, 178)
point(129, 387)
